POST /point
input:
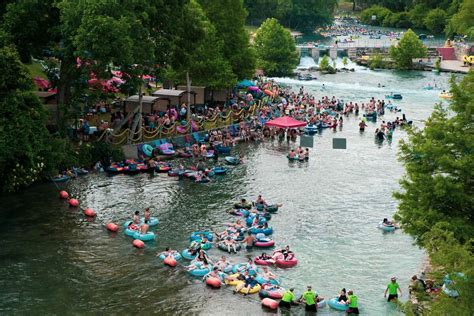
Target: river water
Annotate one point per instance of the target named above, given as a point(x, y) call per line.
point(55, 261)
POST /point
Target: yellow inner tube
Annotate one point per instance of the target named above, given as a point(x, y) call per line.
point(445, 96)
point(232, 282)
point(253, 290)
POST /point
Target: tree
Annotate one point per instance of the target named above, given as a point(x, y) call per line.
point(307, 15)
point(463, 21)
point(324, 63)
point(201, 52)
point(409, 47)
point(32, 26)
point(276, 49)
point(439, 163)
point(417, 15)
point(260, 10)
point(437, 198)
point(24, 140)
point(435, 21)
point(231, 31)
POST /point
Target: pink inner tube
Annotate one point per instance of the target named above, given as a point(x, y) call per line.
point(281, 263)
point(261, 262)
point(268, 243)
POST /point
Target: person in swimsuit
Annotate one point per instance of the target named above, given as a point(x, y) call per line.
point(147, 214)
point(136, 218)
point(249, 240)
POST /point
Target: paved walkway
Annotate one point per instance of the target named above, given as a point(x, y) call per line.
point(454, 66)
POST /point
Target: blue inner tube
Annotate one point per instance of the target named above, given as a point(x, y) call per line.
point(176, 256)
point(241, 212)
point(147, 150)
point(186, 255)
point(144, 237)
point(219, 170)
point(334, 303)
point(232, 160)
point(387, 228)
point(266, 231)
point(196, 235)
point(152, 222)
point(223, 149)
point(61, 179)
point(200, 272)
point(261, 280)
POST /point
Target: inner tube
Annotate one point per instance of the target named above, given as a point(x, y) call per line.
point(267, 231)
point(214, 282)
point(264, 243)
point(295, 158)
point(270, 208)
point(144, 237)
point(152, 222)
point(187, 255)
point(232, 160)
point(223, 149)
point(261, 280)
point(61, 179)
point(232, 282)
point(262, 262)
point(196, 235)
point(223, 247)
point(130, 231)
point(386, 228)
point(162, 168)
point(176, 256)
point(200, 272)
point(255, 289)
point(334, 303)
point(240, 212)
point(247, 206)
point(281, 263)
point(219, 170)
point(170, 261)
point(147, 150)
point(272, 291)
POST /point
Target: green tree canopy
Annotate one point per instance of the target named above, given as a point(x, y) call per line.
point(408, 48)
point(24, 139)
point(32, 25)
point(435, 21)
point(463, 21)
point(437, 198)
point(438, 185)
point(307, 15)
point(228, 18)
point(276, 49)
point(201, 52)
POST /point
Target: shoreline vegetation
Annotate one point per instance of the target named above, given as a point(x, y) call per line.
point(84, 44)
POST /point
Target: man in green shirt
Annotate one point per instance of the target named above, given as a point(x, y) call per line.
point(310, 298)
point(393, 288)
point(352, 303)
point(287, 299)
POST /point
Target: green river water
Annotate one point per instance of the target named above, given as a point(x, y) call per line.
point(55, 261)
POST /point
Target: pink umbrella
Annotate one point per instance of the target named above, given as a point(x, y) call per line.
point(253, 88)
point(286, 122)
